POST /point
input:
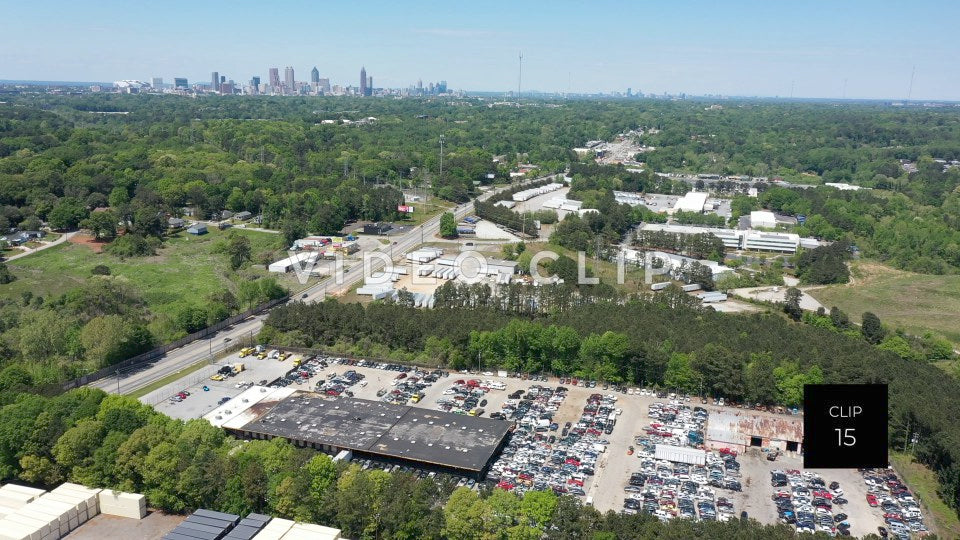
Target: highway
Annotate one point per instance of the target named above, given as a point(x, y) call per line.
point(190, 354)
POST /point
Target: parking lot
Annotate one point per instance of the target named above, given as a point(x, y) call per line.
point(586, 440)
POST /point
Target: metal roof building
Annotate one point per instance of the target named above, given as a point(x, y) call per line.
point(414, 436)
point(742, 429)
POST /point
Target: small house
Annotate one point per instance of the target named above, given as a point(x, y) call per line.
point(243, 216)
point(226, 214)
point(175, 223)
point(197, 229)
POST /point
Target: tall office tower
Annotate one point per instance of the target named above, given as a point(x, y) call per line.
point(369, 86)
point(214, 82)
point(288, 78)
point(363, 81)
point(181, 83)
point(314, 75)
point(324, 85)
point(255, 85)
point(629, 92)
point(432, 89)
point(157, 83)
point(419, 86)
point(443, 87)
point(275, 77)
point(226, 88)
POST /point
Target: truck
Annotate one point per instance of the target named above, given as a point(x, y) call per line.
point(238, 367)
point(245, 351)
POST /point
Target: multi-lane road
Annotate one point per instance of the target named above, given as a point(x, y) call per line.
point(197, 351)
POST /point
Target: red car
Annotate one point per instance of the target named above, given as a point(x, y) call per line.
point(575, 481)
point(505, 485)
point(572, 461)
point(728, 452)
point(871, 499)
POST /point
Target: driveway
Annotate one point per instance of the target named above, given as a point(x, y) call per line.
point(27, 251)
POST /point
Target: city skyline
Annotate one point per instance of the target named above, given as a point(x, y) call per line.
point(862, 49)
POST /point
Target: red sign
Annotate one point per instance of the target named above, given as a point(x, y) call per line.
point(407, 209)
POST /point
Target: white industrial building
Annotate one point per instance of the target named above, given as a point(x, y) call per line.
point(729, 237)
point(737, 239)
point(302, 259)
point(763, 218)
point(693, 201)
point(769, 241)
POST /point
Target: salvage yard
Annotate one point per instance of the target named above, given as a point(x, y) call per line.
point(575, 437)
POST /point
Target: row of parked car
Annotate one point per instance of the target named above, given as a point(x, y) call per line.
point(535, 458)
point(408, 386)
point(901, 510)
point(804, 500)
point(467, 396)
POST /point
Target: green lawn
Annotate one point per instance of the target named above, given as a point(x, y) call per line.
point(184, 271)
point(924, 484)
point(915, 302)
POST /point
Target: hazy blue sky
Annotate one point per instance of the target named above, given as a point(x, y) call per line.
point(740, 48)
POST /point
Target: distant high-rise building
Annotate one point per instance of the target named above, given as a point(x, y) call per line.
point(324, 85)
point(275, 77)
point(369, 86)
point(157, 83)
point(214, 82)
point(226, 88)
point(255, 85)
point(629, 92)
point(314, 75)
point(180, 83)
point(443, 87)
point(288, 78)
point(363, 81)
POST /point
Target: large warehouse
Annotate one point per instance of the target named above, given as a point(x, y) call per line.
point(414, 436)
point(742, 429)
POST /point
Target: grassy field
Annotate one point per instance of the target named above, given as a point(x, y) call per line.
point(923, 482)
point(184, 271)
point(915, 302)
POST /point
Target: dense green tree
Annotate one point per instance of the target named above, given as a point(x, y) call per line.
point(871, 328)
point(448, 225)
point(103, 225)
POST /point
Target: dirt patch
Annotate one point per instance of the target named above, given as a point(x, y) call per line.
point(85, 239)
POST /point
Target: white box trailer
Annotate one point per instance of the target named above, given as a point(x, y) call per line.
point(309, 531)
point(69, 515)
point(36, 492)
point(659, 286)
point(14, 499)
point(58, 527)
point(10, 530)
point(274, 530)
point(680, 454)
point(38, 526)
point(119, 503)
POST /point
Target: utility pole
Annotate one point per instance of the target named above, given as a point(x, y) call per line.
point(906, 438)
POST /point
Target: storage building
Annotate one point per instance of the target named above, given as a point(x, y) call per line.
point(742, 429)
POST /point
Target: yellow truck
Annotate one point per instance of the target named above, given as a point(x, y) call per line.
point(262, 355)
point(283, 356)
point(238, 367)
point(245, 352)
point(297, 362)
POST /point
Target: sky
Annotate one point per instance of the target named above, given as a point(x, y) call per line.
point(806, 48)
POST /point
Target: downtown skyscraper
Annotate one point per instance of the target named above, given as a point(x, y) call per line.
point(363, 81)
point(288, 79)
